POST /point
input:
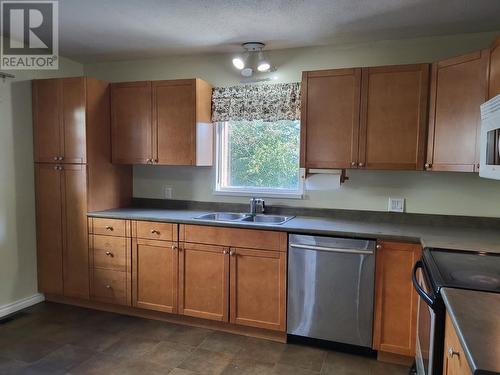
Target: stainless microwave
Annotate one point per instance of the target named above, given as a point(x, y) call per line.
point(490, 139)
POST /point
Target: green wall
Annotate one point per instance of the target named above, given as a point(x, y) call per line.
point(435, 193)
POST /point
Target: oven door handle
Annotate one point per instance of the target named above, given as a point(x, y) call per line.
point(421, 292)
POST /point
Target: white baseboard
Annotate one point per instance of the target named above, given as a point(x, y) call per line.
point(21, 304)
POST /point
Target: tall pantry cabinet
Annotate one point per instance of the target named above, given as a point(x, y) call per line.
point(73, 175)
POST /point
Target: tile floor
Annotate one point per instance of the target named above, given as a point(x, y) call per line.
point(53, 339)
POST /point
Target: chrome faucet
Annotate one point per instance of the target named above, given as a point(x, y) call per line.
point(257, 206)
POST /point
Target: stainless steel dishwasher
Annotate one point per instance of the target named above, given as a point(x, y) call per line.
point(330, 288)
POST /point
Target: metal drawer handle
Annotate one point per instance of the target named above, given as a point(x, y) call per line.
point(154, 231)
point(452, 352)
point(109, 227)
point(109, 254)
point(330, 249)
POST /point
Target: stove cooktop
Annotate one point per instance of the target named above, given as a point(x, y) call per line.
point(463, 269)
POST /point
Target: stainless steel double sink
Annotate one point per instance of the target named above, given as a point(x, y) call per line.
point(232, 217)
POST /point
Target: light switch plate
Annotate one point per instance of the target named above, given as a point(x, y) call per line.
point(396, 205)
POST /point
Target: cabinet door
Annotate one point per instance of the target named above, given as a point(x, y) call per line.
point(394, 327)
point(494, 81)
point(131, 129)
point(47, 120)
point(204, 281)
point(174, 121)
point(49, 202)
point(154, 275)
point(258, 288)
point(75, 239)
point(394, 117)
point(73, 114)
point(454, 361)
point(458, 88)
point(330, 118)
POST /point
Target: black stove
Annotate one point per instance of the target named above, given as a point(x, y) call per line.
point(462, 269)
point(440, 268)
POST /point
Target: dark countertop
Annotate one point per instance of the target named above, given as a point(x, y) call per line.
point(430, 232)
point(476, 318)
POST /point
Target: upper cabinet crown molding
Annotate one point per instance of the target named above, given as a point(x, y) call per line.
point(162, 122)
point(458, 88)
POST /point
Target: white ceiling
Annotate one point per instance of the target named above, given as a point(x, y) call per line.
point(103, 30)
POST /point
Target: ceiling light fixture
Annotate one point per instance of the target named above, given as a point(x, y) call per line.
point(252, 60)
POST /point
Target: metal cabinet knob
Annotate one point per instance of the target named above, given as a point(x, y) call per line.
point(174, 247)
point(379, 246)
point(428, 165)
point(108, 286)
point(109, 253)
point(56, 158)
point(354, 163)
point(154, 231)
point(361, 165)
point(452, 353)
point(109, 227)
point(61, 158)
point(232, 253)
point(224, 252)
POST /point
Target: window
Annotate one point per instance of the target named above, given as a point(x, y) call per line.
point(258, 157)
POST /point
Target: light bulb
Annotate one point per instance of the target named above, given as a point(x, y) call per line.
point(238, 63)
point(263, 66)
point(247, 72)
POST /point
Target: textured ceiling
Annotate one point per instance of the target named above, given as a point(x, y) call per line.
point(103, 30)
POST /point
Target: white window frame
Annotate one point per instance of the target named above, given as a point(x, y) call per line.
point(221, 168)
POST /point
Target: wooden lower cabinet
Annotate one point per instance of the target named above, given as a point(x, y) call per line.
point(394, 327)
point(154, 275)
point(258, 288)
point(454, 361)
point(62, 249)
point(204, 281)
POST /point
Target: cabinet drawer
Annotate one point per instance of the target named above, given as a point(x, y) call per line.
point(111, 252)
point(109, 227)
point(155, 231)
point(234, 237)
point(110, 286)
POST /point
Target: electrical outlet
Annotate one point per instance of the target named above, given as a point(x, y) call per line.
point(396, 205)
point(168, 191)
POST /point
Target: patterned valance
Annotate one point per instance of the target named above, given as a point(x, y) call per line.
point(268, 102)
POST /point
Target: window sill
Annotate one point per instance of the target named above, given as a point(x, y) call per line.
point(260, 194)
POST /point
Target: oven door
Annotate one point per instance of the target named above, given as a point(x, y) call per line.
point(426, 344)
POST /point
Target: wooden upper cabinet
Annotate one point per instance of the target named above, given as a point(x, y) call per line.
point(154, 275)
point(330, 118)
point(204, 281)
point(59, 120)
point(258, 288)
point(458, 88)
point(131, 130)
point(494, 78)
point(162, 122)
point(393, 117)
point(179, 108)
point(394, 325)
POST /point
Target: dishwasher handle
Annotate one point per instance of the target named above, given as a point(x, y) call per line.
point(331, 249)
